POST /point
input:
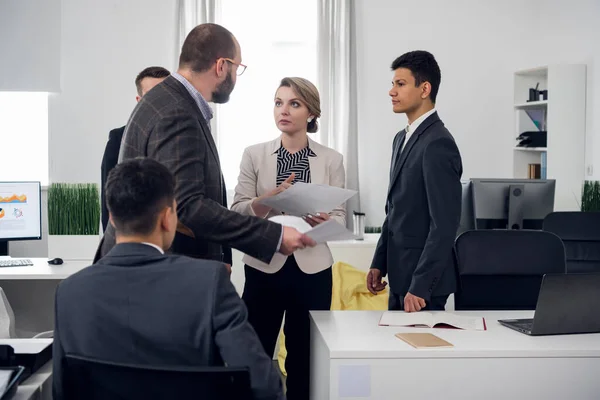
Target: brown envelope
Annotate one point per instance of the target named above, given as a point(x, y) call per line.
point(423, 340)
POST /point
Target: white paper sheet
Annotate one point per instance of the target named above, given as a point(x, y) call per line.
point(327, 231)
point(308, 198)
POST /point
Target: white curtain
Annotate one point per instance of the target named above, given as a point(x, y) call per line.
point(337, 86)
point(191, 13)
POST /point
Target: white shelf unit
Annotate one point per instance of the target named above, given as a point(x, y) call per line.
point(562, 115)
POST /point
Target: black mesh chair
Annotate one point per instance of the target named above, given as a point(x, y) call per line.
point(503, 269)
point(90, 379)
point(580, 232)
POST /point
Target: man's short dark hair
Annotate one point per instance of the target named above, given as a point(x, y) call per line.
point(424, 68)
point(136, 191)
point(204, 45)
point(150, 72)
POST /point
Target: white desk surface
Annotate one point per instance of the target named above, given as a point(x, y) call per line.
point(356, 334)
point(370, 240)
point(28, 345)
point(42, 270)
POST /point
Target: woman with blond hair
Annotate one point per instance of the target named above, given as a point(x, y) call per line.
point(302, 282)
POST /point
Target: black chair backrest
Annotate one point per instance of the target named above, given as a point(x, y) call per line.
point(91, 379)
point(503, 269)
point(580, 232)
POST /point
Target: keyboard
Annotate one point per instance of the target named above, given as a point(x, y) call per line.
point(526, 324)
point(21, 262)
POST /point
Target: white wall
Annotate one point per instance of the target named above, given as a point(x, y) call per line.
point(479, 45)
point(30, 45)
point(104, 45)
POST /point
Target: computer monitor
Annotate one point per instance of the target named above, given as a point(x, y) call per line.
point(20, 212)
point(512, 203)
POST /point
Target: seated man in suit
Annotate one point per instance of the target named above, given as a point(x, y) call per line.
point(145, 81)
point(140, 306)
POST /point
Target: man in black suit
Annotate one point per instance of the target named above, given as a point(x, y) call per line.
point(171, 124)
point(145, 81)
point(140, 306)
point(423, 202)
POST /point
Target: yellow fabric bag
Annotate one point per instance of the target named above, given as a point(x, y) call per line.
point(349, 292)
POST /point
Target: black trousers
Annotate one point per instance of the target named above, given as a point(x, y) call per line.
point(289, 290)
point(437, 303)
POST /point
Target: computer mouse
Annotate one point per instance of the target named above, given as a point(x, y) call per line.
point(55, 261)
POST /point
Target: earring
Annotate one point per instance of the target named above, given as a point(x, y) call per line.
point(309, 119)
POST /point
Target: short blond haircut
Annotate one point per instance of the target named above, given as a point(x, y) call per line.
point(309, 95)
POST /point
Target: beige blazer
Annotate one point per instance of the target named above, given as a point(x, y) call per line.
point(258, 175)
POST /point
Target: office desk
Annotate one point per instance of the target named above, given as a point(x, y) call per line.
point(358, 253)
point(353, 357)
point(30, 291)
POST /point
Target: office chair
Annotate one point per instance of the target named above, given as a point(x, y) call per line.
point(7, 323)
point(580, 233)
point(92, 379)
point(503, 269)
point(7, 318)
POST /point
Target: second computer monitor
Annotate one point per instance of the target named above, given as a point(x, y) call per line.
point(512, 203)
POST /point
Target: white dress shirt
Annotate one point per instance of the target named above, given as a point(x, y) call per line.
point(155, 246)
point(411, 128)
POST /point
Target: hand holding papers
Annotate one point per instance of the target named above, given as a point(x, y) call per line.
point(308, 198)
point(325, 232)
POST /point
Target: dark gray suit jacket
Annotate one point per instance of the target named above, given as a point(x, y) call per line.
point(167, 125)
point(422, 213)
point(109, 160)
point(137, 306)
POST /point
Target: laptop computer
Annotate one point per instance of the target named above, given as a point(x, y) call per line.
point(567, 304)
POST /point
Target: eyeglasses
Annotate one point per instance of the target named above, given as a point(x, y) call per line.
point(241, 67)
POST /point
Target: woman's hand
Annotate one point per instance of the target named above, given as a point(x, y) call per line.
point(260, 209)
point(318, 218)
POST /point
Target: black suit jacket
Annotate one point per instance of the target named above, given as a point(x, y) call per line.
point(422, 213)
point(167, 125)
point(138, 306)
point(109, 160)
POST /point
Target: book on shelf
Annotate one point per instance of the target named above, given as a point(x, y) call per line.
point(431, 320)
point(535, 171)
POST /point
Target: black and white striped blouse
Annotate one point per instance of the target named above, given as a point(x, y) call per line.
point(297, 163)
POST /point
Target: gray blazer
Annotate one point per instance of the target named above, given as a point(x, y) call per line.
point(422, 213)
point(138, 306)
point(168, 126)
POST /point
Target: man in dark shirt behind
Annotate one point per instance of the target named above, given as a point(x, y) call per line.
point(145, 81)
point(140, 306)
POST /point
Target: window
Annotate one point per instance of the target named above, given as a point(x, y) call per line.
point(278, 40)
point(24, 133)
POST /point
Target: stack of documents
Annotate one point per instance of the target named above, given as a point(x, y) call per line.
point(308, 198)
point(327, 231)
